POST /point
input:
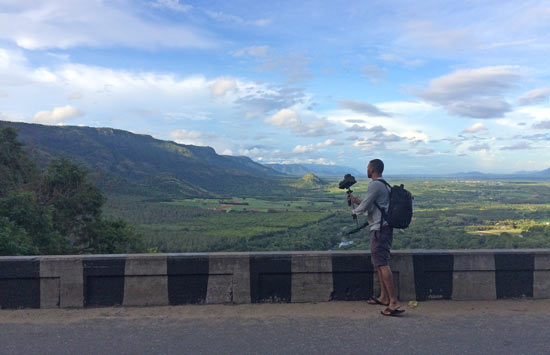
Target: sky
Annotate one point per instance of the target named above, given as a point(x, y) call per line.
point(426, 86)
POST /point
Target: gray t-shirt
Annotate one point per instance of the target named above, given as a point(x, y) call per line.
point(379, 192)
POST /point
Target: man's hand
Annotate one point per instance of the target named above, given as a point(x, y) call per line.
point(354, 199)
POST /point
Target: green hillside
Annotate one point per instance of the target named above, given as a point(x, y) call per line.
point(310, 181)
point(124, 162)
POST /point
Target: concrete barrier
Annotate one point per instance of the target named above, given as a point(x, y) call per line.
point(174, 279)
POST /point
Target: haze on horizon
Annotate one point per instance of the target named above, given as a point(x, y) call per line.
point(427, 86)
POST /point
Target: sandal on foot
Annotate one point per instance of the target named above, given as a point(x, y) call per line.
point(375, 301)
point(392, 312)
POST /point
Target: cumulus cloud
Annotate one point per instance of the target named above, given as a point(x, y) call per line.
point(478, 127)
point(259, 100)
point(542, 125)
point(329, 143)
point(43, 24)
point(222, 85)
point(286, 118)
point(475, 93)
point(57, 115)
point(303, 149)
point(363, 107)
point(289, 118)
point(534, 97)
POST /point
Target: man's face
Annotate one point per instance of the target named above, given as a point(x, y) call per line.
point(369, 171)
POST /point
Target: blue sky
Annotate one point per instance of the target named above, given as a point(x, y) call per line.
point(427, 86)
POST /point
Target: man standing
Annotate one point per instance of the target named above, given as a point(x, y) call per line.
point(381, 236)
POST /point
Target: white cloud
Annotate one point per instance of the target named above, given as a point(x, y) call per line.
point(286, 118)
point(64, 24)
point(199, 138)
point(57, 115)
point(478, 127)
point(174, 5)
point(329, 143)
point(303, 149)
point(223, 17)
point(535, 96)
point(222, 85)
point(473, 93)
point(2, 93)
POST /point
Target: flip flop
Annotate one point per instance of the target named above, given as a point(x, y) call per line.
point(375, 301)
point(388, 312)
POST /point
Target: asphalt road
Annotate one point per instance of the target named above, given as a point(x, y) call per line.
point(437, 327)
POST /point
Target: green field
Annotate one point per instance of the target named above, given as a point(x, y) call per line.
point(448, 214)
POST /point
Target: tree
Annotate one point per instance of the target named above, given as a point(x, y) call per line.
point(56, 211)
point(76, 202)
point(16, 169)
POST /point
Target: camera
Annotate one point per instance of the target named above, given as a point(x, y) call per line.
point(348, 182)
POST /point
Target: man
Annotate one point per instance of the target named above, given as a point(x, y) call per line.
point(381, 236)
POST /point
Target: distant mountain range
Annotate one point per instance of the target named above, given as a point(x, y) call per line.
point(317, 169)
point(537, 175)
point(131, 163)
point(136, 164)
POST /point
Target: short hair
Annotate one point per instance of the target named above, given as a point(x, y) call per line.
point(377, 165)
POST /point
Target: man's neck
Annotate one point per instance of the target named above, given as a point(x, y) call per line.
point(375, 176)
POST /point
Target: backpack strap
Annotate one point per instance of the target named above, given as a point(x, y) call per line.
point(382, 211)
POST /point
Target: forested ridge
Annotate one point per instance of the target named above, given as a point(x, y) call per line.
point(54, 210)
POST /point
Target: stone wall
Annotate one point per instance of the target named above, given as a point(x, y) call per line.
point(174, 279)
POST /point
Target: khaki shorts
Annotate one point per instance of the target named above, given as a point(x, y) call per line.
point(380, 245)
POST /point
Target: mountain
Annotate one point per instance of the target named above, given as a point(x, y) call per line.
point(310, 181)
point(317, 169)
point(126, 161)
point(541, 173)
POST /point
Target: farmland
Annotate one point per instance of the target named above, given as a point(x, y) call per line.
point(448, 214)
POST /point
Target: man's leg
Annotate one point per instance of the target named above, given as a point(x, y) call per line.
point(386, 279)
point(384, 298)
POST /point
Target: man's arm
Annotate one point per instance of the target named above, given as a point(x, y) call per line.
point(372, 194)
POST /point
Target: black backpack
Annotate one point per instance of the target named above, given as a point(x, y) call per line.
point(399, 213)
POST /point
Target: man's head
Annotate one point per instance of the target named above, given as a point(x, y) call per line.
point(376, 166)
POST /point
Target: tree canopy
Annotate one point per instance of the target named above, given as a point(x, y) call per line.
point(56, 210)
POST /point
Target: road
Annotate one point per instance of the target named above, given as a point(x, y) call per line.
point(436, 327)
